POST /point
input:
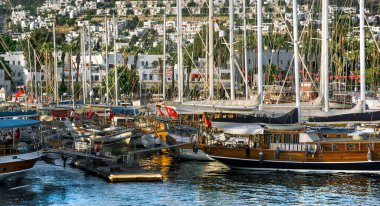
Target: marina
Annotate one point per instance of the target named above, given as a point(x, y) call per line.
point(184, 102)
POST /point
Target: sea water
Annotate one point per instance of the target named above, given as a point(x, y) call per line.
point(189, 183)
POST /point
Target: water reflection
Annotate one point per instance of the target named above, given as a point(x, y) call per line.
point(189, 183)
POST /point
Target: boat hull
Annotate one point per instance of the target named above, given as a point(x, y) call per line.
point(189, 154)
point(324, 167)
point(15, 164)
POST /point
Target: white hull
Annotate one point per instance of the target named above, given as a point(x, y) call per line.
point(191, 155)
point(18, 159)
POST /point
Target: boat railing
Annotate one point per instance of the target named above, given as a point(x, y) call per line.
point(293, 147)
point(20, 149)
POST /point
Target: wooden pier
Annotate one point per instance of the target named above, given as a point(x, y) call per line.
point(106, 168)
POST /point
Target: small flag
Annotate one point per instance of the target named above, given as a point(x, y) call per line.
point(160, 111)
point(206, 120)
point(19, 92)
point(171, 112)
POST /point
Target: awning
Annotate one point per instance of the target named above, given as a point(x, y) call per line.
point(240, 128)
point(13, 123)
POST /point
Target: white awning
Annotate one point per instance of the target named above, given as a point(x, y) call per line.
point(239, 128)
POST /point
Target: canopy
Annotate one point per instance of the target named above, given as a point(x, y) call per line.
point(12, 123)
point(17, 114)
point(124, 111)
point(240, 128)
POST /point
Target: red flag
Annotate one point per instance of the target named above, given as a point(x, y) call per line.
point(111, 115)
point(171, 112)
point(19, 92)
point(206, 120)
point(160, 111)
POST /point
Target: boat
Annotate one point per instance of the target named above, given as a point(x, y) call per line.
point(299, 150)
point(289, 118)
point(20, 146)
point(186, 137)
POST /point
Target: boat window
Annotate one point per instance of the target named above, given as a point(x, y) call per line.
point(351, 146)
point(4, 169)
point(334, 146)
point(267, 139)
point(369, 146)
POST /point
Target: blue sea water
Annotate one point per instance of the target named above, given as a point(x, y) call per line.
point(189, 183)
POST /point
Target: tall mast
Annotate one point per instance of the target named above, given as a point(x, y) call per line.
point(245, 49)
point(55, 69)
point(164, 62)
point(296, 59)
point(115, 63)
point(107, 83)
point(260, 53)
point(211, 47)
point(89, 62)
point(179, 50)
point(30, 68)
point(35, 75)
point(325, 54)
point(232, 69)
point(72, 80)
point(362, 54)
point(83, 67)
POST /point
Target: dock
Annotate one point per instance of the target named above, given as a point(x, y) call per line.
point(106, 168)
point(116, 173)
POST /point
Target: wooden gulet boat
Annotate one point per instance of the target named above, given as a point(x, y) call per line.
point(299, 150)
point(18, 153)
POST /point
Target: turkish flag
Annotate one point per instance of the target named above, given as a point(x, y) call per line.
point(19, 92)
point(171, 112)
point(160, 111)
point(206, 120)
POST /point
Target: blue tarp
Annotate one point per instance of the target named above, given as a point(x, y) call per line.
point(18, 114)
point(13, 123)
point(124, 111)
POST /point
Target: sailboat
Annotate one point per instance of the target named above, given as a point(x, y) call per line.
point(20, 146)
point(299, 149)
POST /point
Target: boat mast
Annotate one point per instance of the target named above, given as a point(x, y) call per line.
point(83, 67)
point(232, 69)
point(89, 62)
point(260, 53)
point(296, 59)
point(107, 85)
point(72, 80)
point(35, 74)
point(164, 62)
point(325, 55)
point(362, 54)
point(55, 69)
point(30, 68)
point(245, 49)
point(211, 47)
point(179, 50)
point(115, 63)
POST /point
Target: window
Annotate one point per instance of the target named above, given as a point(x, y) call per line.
point(150, 76)
point(145, 77)
point(42, 77)
point(142, 63)
point(18, 63)
point(19, 74)
point(334, 146)
point(146, 63)
point(14, 63)
point(96, 78)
